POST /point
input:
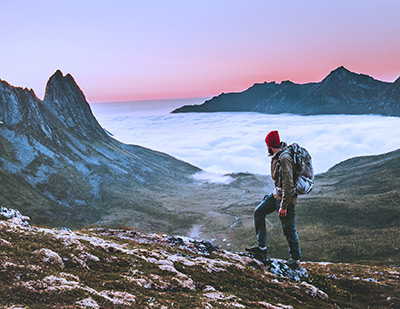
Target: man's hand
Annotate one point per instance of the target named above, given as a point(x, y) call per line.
point(276, 195)
point(282, 212)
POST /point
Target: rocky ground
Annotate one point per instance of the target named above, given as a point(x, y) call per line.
point(120, 268)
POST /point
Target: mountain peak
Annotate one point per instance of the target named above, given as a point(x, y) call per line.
point(59, 84)
point(343, 75)
point(341, 68)
point(65, 99)
point(57, 74)
point(340, 72)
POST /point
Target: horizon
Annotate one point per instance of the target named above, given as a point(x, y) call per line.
point(134, 51)
point(174, 99)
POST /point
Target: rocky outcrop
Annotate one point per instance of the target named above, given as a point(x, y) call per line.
point(101, 268)
point(67, 103)
point(60, 167)
point(341, 92)
point(14, 215)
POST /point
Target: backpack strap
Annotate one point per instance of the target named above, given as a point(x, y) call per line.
point(294, 148)
point(279, 167)
point(279, 173)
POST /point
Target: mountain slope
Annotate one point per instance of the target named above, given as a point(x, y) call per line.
point(123, 268)
point(60, 167)
point(355, 205)
point(350, 216)
point(341, 92)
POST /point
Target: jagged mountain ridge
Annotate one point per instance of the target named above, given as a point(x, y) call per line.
point(93, 268)
point(65, 100)
point(341, 92)
point(60, 167)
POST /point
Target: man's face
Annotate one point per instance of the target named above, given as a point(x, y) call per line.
point(270, 152)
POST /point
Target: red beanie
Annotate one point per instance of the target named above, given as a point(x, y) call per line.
point(273, 140)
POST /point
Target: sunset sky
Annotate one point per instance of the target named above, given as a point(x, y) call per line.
point(134, 50)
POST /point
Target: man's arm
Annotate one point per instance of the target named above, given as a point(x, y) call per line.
point(288, 188)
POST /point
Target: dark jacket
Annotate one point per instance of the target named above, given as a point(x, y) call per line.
point(285, 190)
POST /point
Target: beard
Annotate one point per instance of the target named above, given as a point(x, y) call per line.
point(270, 152)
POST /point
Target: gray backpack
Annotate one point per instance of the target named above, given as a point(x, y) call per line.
point(303, 171)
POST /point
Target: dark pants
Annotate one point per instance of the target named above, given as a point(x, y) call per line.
point(267, 206)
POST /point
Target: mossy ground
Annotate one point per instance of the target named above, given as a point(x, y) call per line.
point(123, 268)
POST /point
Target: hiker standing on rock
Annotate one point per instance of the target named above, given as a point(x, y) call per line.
point(283, 199)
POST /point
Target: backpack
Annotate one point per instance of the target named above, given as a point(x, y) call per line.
point(303, 172)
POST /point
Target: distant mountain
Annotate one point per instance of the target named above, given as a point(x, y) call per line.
point(341, 92)
point(59, 166)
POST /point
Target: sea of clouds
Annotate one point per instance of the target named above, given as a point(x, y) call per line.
point(221, 143)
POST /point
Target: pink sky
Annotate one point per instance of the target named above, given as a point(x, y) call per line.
point(135, 50)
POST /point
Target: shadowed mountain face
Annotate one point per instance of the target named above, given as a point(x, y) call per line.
point(60, 167)
point(354, 210)
point(341, 92)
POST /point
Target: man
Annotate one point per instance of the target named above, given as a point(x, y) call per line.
point(283, 200)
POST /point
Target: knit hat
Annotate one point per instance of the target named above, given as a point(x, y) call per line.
point(273, 140)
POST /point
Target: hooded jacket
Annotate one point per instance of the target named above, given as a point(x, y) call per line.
point(286, 187)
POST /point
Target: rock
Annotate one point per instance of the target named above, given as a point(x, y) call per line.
point(87, 303)
point(314, 292)
point(204, 246)
point(8, 213)
point(280, 268)
point(175, 240)
point(51, 257)
point(277, 267)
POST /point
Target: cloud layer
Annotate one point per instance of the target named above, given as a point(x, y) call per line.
point(234, 142)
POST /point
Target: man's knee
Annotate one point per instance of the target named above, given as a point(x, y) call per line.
point(258, 212)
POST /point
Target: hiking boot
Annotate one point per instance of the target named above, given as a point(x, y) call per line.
point(257, 250)
point(293, 264)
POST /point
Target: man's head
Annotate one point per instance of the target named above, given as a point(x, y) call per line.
point(273, 141)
